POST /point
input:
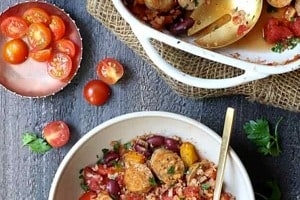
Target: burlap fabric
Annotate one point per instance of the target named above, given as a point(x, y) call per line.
point(279, 90)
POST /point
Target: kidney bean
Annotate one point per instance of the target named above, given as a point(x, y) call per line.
point(156, 140)
point(172, 144)
point(113, 188)
point(181, 26)
point(111, 156)
point(143, 150)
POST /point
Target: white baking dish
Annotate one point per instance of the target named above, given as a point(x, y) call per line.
point(257, 64)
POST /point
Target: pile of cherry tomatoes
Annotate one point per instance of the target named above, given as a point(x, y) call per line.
point(40, 36)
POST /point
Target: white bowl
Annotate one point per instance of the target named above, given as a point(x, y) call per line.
point(250, 54)
point(66, 184)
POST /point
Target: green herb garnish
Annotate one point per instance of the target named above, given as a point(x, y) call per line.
point(116, 146)
point(127, 145)
point(275, 192)
point(205, 186)
point(84, 186)
point(152, 181)
point(171, 170)
point(259, 133)
point(287, 44)
point(36, 144)
point(105, 151)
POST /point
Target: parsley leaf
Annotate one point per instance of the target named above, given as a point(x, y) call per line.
point(36, 144)
point(205, 186)
point(171, 170)
point(152, 181)
point(84, 187)
point(259, 133)
point(28, 137)
point(275, 191)
point(127, 145)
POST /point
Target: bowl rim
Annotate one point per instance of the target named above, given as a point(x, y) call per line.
point(141, 114)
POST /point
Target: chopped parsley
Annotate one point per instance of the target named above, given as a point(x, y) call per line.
point(287, 44)
point(84, 187)
point(152, 181)
point(205, 186)
point(116, 146)
point(127, 145)
point(171, 170)
point(105, 151)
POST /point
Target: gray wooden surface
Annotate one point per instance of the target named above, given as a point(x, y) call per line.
point(25, 175)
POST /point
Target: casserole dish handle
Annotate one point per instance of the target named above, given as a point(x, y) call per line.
point(182, 77)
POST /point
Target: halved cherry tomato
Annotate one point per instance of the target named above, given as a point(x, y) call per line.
point(59, 66)
point(65, 46)
point(57, 27)
point(92, 179)
point(110, 70)
point(41, 55)
point(14, 27)
point(88, 196)
point(96, 92)
point(36, 15)
point(191, 191)
point(15, 51)
point(56, 133)
point(39, 36)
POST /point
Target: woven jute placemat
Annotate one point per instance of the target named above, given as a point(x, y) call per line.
point(278, 90)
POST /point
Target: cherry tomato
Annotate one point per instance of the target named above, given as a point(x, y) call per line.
point(92, 179)
point(65, 46)
point(59, 66)
point(15, 51)
point(96, 92)
point(88, 196)
point(57, 27)
point(41, 55)
point(39, 36)
point(14, 27)
point(191, 191)
point(56, 133)
point(36, 15)
point(110, 70)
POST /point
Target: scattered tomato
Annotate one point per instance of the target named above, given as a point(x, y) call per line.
point(15, 51)
point(92, 179)
point(36, 15)
point(39, 36)
point(41, 55)
point(57, 27)
point(295, 26)
point(276, 30)
point(56, 133)
point(110, 70)
point(191, 191)
point(14, 27)
point(96, 92)
point(65, 46)
point(88, 196)
point(59, 66)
